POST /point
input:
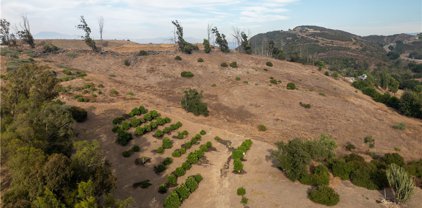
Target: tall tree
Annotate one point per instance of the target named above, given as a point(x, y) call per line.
point(25, 32)
point(4, 31)
point(237, 35)
point(246, 46)
point(88, 40)
point(184, 46)
point(221, 40)
point(101, 27)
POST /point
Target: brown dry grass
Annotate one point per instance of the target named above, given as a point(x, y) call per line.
point(236, 108)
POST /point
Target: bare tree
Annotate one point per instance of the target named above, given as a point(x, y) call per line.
point(209, 28)
point(237, 37)
point(25, 32)
point(101, 26)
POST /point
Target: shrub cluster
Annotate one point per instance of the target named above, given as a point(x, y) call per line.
point(200, 60)
point(318, 176)
point(141, 130)
point(128, 153)
point(168, 129)
point(274, 81)
point(224, 64)
point(192, 102)
point(186, 74)
point(294, 157)
point(167, 143)
point(370, 175)
point(324, 195)
point(242, 192)
point(269, 63)
point(181, 134)
point(163, 165)
point(233, 64)
point(409, 103)
point(238, 155)
point(192, 159)
point(178, 58)
point(182, 192)
point(187, 145)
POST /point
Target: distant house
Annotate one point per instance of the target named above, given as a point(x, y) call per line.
point(363, 77)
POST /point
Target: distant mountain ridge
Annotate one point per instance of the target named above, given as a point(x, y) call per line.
point(309, 43)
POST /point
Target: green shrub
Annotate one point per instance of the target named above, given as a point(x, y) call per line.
point(241, 191)
point(307, 106)
point(237, 154)
point(142, 53)
point(198, 178)
point(269, 63)
point(186, 166)
point(78, 114)
point(167, 143)
point(191, 184)
point(123, 138)
point(127, 153)
point(193, 158)
point(172, 180)
point(363, 176)
point(178, 58)
point(202, 132)
point(167, 161)
point(399, 126)
point(244, 200)
point(207, 46)
point(192, 102)
point(172, 200)
point(135, 148)
point(183, 192)
point(159, 168)
point(200, 60)
point(391, 158)
point(224, 64)
point(114, 93)
point(349, 146)
point(160, 150)
point(176, 153)
point(237, 166)
point(158, 133)
point(291, 86)
point(233, 64)
point(324, 195)
point(50, 48)
point(186, 74)
point(342, 169)
point(262, 127)
point(319, 176)
point(162, 189)
point(127, 62)
point(370, 141)
point(180, 172)
point(118, 120)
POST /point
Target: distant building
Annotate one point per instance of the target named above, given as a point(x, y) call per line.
point(363, 77)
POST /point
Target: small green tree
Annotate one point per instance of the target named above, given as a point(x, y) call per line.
point(400, 182)
point(207, 46)
point(246, 46)
point(241, 191)
point(88, 40)
point(183, 45)
point(221, 40)
point(4, 31)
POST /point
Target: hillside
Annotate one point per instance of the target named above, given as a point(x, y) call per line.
point(239, 99)
point(338, 48)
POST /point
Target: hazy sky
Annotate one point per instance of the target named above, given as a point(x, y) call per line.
point(152, 18)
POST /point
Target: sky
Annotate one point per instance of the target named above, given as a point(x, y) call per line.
point(147, 19)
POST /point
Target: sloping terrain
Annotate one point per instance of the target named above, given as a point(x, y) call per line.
point(338, 48)
point(239, 99)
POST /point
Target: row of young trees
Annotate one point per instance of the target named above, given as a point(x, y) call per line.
point(46, 166)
